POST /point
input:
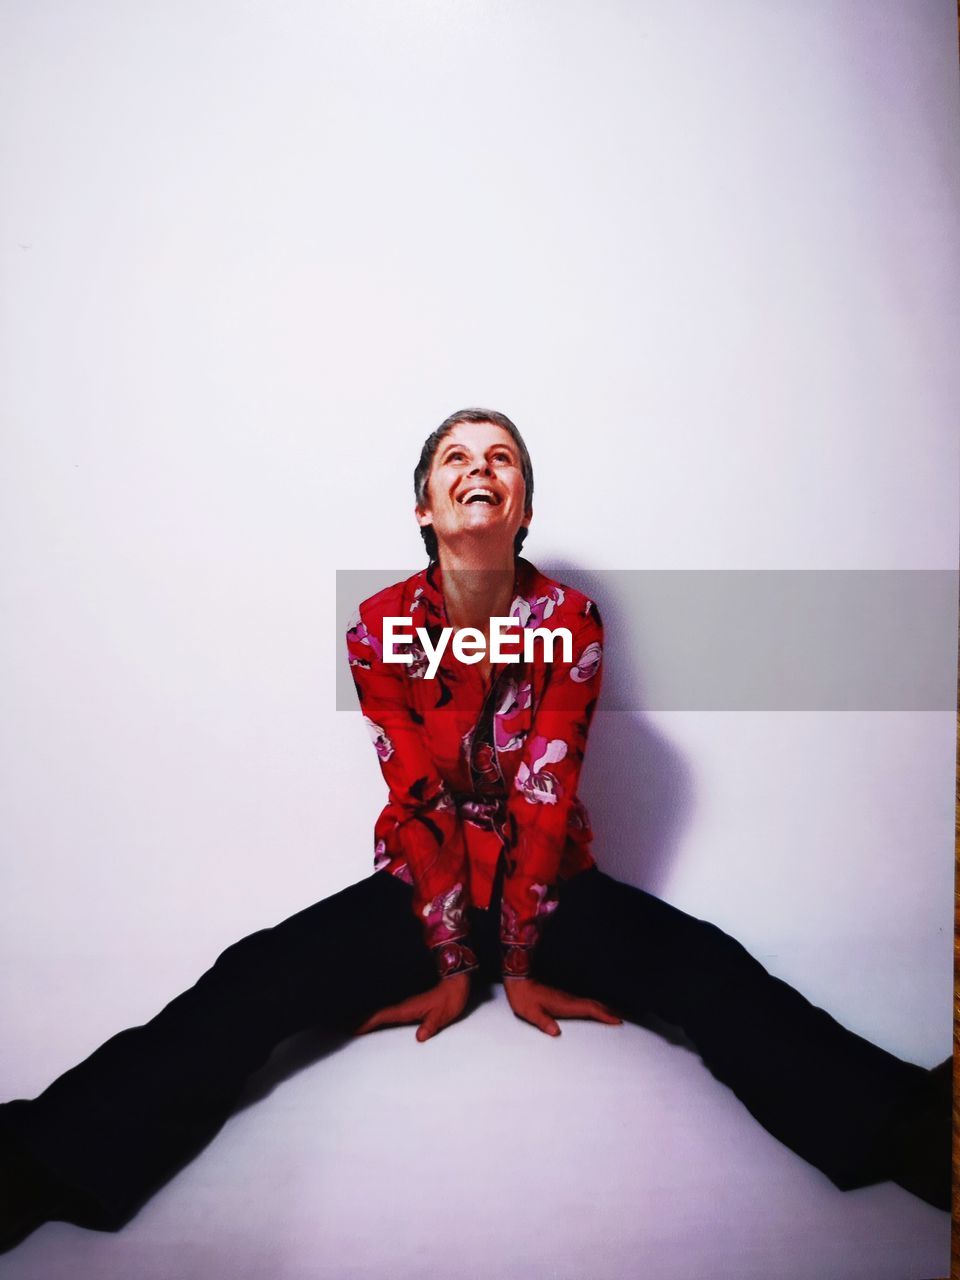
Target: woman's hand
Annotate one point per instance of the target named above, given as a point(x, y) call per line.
point(535, 1002)
point(433, 1009)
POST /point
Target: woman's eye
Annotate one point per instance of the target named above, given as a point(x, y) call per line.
point(458, 456)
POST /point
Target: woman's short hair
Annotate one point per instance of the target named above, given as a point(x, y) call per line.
point(432, 443)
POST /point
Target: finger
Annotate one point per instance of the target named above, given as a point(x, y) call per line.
point(602, 1014)
point(581, 1008)
point(368, 1025)
point(437, 1017)
point(405, 1011)
point(545, 1023)
point(429, 1026)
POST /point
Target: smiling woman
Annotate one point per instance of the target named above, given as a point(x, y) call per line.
point(472, 453)
point(483, 872)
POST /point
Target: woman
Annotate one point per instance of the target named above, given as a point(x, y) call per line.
point(483, 869)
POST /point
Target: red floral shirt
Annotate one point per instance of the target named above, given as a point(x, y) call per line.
point(474, 772)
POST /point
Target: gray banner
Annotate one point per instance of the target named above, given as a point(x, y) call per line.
point(750, 640)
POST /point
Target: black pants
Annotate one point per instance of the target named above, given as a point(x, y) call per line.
point(119, 1124)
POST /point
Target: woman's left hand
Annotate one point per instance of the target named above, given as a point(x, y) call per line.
point(537, 1003)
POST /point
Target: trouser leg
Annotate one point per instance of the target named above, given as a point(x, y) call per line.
point(825, 1092)
point(119, 1124)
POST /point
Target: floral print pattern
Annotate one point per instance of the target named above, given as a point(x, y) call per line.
point(380, 740)
point(476, 774)
point(535, 781)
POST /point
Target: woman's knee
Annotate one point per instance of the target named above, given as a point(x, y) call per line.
point(251, 950)
point(280, 963)
point(677, 934)
point(609, 937)
point(357, 950)
point(317, 934)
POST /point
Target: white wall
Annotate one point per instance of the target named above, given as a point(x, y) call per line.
point(706, 258)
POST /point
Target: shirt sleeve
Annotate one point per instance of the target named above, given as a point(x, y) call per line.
point(545, 788)
point(420, 826)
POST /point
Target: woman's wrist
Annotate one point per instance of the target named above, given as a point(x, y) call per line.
point(516, 961)
point(455, 957)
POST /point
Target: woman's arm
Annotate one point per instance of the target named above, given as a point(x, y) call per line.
point(420, 823)
point(545, 788)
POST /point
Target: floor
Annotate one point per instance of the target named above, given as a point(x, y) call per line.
point(495, 1150)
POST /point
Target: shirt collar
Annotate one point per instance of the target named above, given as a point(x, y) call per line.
point(429, 592)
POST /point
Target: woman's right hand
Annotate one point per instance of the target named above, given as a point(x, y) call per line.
point(433, 1009)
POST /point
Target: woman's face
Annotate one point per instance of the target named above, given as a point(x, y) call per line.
point(476, 487)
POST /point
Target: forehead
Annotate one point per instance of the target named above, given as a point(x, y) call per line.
point(476, 435)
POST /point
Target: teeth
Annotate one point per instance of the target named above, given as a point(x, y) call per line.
point(482, 493)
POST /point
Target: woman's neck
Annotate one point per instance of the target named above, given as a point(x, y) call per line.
point(475, 591)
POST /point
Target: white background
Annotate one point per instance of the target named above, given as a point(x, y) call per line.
point(705, 256)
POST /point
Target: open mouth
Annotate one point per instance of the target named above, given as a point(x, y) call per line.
point(479, 495)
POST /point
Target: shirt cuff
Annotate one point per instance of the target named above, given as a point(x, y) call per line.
point(455, 957)
point(516, 961)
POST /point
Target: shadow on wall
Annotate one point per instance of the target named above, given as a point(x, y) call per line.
point(638, 788)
